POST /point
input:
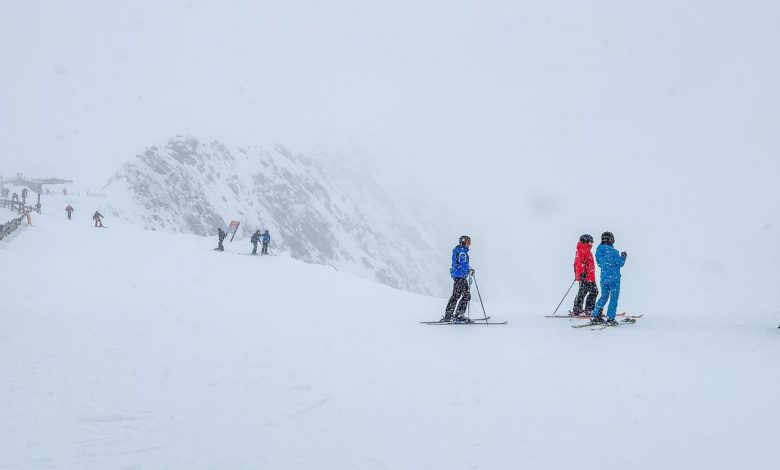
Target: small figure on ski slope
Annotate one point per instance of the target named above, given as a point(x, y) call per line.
point(610, 262)
point(266, 240)
point(255, 240)
point(69, 210)
point(98, 218)
point(460, 272)
point(221, 234)
point(585, 272)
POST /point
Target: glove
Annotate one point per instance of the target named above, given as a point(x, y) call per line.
point(583, 276)
point(471, 272)
point(624, 254)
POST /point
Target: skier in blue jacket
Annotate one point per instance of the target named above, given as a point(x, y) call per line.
point(610, 262)
point(460, 272)
point(266, 237)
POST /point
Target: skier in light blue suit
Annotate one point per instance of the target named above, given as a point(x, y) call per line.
point(610, 262)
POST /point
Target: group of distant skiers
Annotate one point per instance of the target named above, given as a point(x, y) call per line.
point(607, 257)
point(257, 237)
point(97, 216)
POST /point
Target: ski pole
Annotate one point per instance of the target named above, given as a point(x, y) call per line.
point(480, 298)
point(468, 305)
point(564, 297)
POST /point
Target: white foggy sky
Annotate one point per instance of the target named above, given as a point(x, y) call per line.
point(535, 120)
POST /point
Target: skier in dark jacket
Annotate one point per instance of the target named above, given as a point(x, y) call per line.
point(221, 234)
point(610, 262)
point(255, 240)
point(98, 218)
point(585, 272)
point(69, 210)
point(459, 271)
point(266, 240)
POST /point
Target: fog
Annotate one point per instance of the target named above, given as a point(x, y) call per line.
point(523, 125)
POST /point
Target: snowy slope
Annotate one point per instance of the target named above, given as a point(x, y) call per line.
point(316, 210)
point(7, 214)
point(125, 348)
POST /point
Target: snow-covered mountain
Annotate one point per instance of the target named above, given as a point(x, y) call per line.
point(317, 210)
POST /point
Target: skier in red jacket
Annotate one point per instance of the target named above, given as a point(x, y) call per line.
point(584, 271)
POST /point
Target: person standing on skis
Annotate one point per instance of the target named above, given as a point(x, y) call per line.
point(255, 240)
point(610, 262)
point(69, 210)
point(98, 218)
point(585, 272)
point(221, 235)
point(266, 240)
point(459, 271)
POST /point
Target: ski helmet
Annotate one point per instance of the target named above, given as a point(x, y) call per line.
point(464, 239)
point(586, 238)
point(607, 238)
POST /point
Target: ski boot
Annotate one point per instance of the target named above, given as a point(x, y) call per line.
point(612, 322)
point(461, 319)
point(446, 319)
point(597, 320)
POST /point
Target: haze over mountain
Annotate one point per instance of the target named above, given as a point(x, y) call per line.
point(317, 210)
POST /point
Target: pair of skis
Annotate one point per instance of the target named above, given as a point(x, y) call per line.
point(601, 326)
point(587, 317)
point(474, 321)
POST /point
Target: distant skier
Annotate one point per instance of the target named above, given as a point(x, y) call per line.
point(610, 262)
point(266, 240)
point(459, 271)
point(585, 272)
point(24, 195)
point(221, 234)
point(98, 218)
point(255, 240)
point(69, 210)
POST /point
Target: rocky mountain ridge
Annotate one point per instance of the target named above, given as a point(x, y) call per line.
point(317, 209)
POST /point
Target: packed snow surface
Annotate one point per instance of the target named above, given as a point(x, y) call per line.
point(124, 348)
point(7, 214)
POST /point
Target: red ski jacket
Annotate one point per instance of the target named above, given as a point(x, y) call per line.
point(583, 263)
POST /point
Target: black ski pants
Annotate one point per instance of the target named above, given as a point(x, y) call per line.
point(254, 250)
point(265, 248)
point(587, 293)
point(460, 291)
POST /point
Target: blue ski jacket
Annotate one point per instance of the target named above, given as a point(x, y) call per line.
point(460, 262)
point(610, 262)
point(266, 237)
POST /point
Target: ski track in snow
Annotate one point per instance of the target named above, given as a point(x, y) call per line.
point(131, 349)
